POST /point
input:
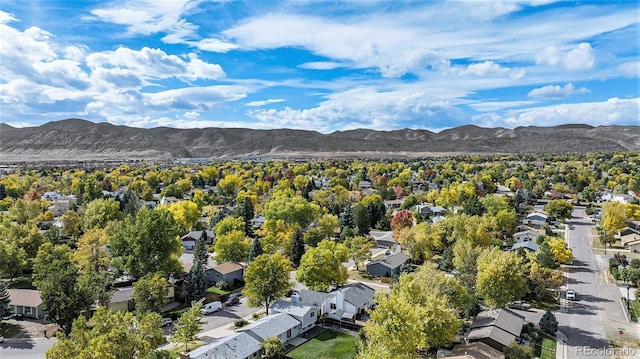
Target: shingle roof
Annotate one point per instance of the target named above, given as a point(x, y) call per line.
point(295, 309)
point(530, 245)
point(499, 335)
point(475, 350)
point(270, 326)
point(312, 297)
point(504, 319)
point(122, 295)
point(238, 345)
point(393, 261)
point(357, 294)
point(228, 267)
point(25, 297)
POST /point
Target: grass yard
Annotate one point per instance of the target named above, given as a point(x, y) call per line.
point(175, 351)
point(545, 347)
point(216, 290)
point(634, 309)
point(328, 344)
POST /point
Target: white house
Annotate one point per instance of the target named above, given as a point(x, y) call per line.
point(525, 236)
point(26, 302)
point(305, 314)
point(280, 325)
point(343, 304)
point(235, 346)
point(169, 200)
point(537, 218)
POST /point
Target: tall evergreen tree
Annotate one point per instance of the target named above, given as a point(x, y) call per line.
point(256, 249)
point(4, 300)
point(200, 253)
point(297, 248)
point(195, 284)
point(346, 218)
point(247, 213)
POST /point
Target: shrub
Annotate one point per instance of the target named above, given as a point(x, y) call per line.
point(239, 323)
point(549, 323)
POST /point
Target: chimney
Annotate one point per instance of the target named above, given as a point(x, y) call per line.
point(295, 298)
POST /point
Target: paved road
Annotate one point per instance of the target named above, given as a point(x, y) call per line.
point(25, 348)
point(582, 320)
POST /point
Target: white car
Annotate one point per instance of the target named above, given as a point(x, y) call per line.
point(571, 294)
point(166, 321)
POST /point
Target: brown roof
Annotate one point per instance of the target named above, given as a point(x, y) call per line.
point(228, 267)
point(25, 297)
point(476, 350)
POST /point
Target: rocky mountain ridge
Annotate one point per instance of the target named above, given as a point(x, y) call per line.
point(75, 139)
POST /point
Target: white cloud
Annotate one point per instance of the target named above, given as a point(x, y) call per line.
point(630, 69)
point(213, 45)
point(550, 56)
point(580, 58)
point(6, 17)
point(321, 65)
point(556, 91)
point(264, 102)
point(612, 111)
point(488, 106)
point(192, 98)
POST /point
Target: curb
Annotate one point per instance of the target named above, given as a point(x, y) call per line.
point(562, 347)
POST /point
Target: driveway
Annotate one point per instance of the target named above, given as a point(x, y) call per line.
point(228, 315)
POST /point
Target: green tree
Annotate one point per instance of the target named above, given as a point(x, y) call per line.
point(185, 214)
point(473, 207)
point(518, 351)
point(313, 237)
point(549, 323)
point(256, 249)
point(200, 253)
point(246, 212)
point(70, 224)
point(362, 218)
point(4, 299)
point(614, 218)
point(500, 277)
point(110, 335)
point(195, 283)
point(559, 208)
point(147, 243)
point(292, 210)
point(545, 257)
point(99, 212)
point(149, 293)
point(227, 225)
point(272, 348)
point(267, 279)
point(296, 250)
point(56, 276)
point(360, 249)
point(13, 259)
point(321, 268)
point(327, 225)
point(232, 247)
point(189, 325)
point(465, 260)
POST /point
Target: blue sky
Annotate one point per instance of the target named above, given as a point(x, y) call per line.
point(320, 65)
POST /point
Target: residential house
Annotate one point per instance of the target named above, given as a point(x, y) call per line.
point(280, 325)
point(633, 246)
point(635, 225)
point(387, 266)
point(529, 246)
point(307, 315)
point(630, 237)
point(476, 350)
point(525, 236)
point(235, 346)
point(345, 303)
point(393, 203)
point(230, 272)
point(51, 196)
point(537, 219)
point(189, 240)
point(497, 328)
point(122, 300)
point(26, 302)
point(168, 200)
point(257, 221)
point(364, 185)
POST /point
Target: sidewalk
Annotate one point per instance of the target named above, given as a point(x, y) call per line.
point(561, 345)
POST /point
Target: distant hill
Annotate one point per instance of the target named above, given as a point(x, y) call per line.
point(75, 139)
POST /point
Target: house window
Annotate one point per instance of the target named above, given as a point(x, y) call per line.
point(312, 314)
point(332, 306)
point(288, 333)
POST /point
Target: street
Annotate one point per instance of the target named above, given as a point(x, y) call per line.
point(25, 348)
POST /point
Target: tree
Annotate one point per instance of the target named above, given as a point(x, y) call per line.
point(256, 249)
point(53, 235)
point(189, 325)
point(200, 253)
point(99, 212)
point(267, 279)
point(56, 276)
point(185, 214)
point(272, 348)
point(227, 225)
point(147, 243)
point(4, 300)
point(93, 253)
point(360, 249)
point(542, 279)
point(549, 323)
point(401, 219)
point(558, 247)
point(246, 212)
point(70, 224)
point(13, 259)
point(290, 209)
point(110, 335)
point(327, 225)
point(518, 351)
point(346, 218)
point(296, 250)
point(465, 260)
point(313, 237)
point(321, 268)
point(500, 277)
point(559, 208)
point(195, 284)
point(545, 257)
point(149, 293)
point(473, 207)
point(362, 218)
point(232, 247)
point(614, 218)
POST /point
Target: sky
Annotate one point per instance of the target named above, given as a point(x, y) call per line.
point(320, 65)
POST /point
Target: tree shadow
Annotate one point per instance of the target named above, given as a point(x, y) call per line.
point(18, 343)
point(577, 337)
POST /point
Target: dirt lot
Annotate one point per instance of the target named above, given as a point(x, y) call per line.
point(32, 328)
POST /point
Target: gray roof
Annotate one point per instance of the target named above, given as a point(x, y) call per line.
point(197, 234)
point(270, 326)
point(122, 295)
point(238, 345)
point(295, 309)
point(357, 294)
point(530, 245)
point(477, 350)
point(392, 261)
point(504, 319)
point(499, 335)
point(312, 297)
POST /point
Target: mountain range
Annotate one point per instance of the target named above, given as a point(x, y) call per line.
point(76, 139)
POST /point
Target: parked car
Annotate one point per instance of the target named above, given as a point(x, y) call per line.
point(1, 339)
point(232, 301)
point(211, 307)
point(166, 321)
point(571, 294)
point(518, 304)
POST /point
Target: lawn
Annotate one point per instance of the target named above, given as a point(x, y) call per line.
point(216, 290)
point(328, 344)
point(545, 347)
point(634, 309)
